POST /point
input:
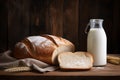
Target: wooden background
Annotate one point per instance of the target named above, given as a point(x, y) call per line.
point(66, 18)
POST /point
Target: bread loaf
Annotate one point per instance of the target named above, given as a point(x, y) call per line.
point(75, 61)
point(45, 48)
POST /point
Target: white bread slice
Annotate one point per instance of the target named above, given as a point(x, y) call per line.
point(59, 50)
point(75, 61)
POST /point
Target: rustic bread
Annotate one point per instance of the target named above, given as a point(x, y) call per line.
point(44, 48)
point(75, 61)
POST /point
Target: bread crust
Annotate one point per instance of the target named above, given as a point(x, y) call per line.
point(41, 48)
point(20, 50)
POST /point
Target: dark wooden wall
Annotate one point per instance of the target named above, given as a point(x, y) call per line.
point(66, 18)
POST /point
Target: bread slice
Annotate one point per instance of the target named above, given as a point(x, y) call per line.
point(75, 61)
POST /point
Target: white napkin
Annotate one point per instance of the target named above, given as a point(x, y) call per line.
point(6, 61)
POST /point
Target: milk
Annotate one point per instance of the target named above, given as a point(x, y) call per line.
point(97, 44)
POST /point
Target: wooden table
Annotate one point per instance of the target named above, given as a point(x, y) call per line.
point(110, 71)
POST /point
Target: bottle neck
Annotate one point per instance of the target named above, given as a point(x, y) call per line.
point(96, 23)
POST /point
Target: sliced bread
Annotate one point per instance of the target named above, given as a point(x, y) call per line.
point(75, 61)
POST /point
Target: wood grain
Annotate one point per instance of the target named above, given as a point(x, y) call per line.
point(108, 70)
point(37, 9)
point(54, 17)
point(18, 21)
point(70, 24)
point(66, 18)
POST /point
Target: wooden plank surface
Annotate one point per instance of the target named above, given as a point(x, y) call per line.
point(54, 17)
point(37, 16)
point(18, 21)
point(66, 18)
point(108, 70)
point(70, 21)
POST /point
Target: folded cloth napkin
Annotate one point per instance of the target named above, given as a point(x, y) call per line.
point(7, 61)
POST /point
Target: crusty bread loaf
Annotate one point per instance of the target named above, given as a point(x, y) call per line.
point(45, 48)
point(75, 61)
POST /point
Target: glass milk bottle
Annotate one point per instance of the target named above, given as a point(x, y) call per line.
point(97, 42)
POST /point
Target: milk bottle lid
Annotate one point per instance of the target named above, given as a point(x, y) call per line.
point(92, 21)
